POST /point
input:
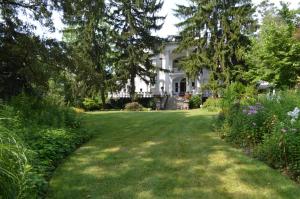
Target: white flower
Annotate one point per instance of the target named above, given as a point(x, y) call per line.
point(294, 113)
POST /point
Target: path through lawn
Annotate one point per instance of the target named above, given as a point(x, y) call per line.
point(163, 155)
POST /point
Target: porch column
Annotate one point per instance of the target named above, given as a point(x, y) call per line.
point(187, 85)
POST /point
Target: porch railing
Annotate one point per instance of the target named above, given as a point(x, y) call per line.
point(127, 95)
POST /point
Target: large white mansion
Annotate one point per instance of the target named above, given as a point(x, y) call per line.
point(170, 80)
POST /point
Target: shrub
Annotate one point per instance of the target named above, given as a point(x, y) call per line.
point(121, 102)
point(195, 102)
point(48, 133)
point(90, 104)
point(212, 104)
point(133, 106)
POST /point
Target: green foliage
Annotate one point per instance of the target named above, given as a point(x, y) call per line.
point(237, 93)
point(88, 37)
point(35, 135)
point(212, 104)
point(120, 103)
point(133, 24)
point(266, 127)
point(133, 106)
point(13, 165)
point(90, 104)
point(275, 55)
point(27, 61)
point(195, 102)
point(218, 33)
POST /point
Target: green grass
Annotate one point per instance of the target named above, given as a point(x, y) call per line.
point(166, 155)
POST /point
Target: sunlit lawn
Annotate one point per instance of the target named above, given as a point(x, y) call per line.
point(163, 155)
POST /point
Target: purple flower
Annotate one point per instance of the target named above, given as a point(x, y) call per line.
point(252, 110)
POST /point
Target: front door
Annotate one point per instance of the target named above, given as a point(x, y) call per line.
point(182, 87)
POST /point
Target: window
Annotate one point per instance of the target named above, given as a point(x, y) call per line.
point(176, 87)
point(193, 84)
point(141, 90)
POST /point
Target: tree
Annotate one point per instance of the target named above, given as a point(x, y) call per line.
point(275, 55)
point(88, 34)
point(217, 33)
point(133, 22)
point(26, 60)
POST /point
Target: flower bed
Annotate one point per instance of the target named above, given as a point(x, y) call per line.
point(265, 126)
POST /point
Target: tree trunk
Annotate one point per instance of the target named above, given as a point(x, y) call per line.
point(132, 87)
point(102, 88)
point(102, 96)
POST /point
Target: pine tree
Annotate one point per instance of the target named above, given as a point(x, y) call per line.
point(133, 22)
point(88, 35)
point(217, 31)
point(26, 60)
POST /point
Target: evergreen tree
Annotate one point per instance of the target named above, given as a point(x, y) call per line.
point(88, 35)
point(217, 31)
point(26, 61)
point(133, 22)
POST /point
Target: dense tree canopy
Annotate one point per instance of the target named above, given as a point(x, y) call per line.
point(275, 55)
point(87, 35)
point(217, 31)
point(108, 43)
point(133, 23)
point(27, 61)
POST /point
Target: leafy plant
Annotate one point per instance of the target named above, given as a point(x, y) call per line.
point(35, 135)
point(194, 101)
point(90, 104)
point(269, 129)
point(212, 104)
point(133, 106)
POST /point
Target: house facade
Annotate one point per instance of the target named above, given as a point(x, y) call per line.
point(170, 79)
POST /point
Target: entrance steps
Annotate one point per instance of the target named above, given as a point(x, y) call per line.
point(176, 102)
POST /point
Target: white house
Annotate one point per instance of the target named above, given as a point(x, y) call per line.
point(170, 80)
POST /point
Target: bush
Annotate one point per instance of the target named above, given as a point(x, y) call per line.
point(48, 133)
point(120, 103)
point(133, 106)
point(195, 102)
point(267, 126)
point(212, 104)
point(90, 104)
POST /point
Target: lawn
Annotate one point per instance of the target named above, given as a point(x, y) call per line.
point(171, 154)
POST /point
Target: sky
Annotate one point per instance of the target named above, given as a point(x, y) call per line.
point(168, 28)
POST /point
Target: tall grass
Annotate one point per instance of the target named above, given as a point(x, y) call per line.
point(35, 135)
point(13, 165)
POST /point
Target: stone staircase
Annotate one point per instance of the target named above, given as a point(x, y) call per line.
point(175, 103)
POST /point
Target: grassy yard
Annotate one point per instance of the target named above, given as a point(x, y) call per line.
point(172, 154)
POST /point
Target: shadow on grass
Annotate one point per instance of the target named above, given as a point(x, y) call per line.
point(163, 155)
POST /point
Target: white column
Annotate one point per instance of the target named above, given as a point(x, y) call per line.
point(187, 84)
